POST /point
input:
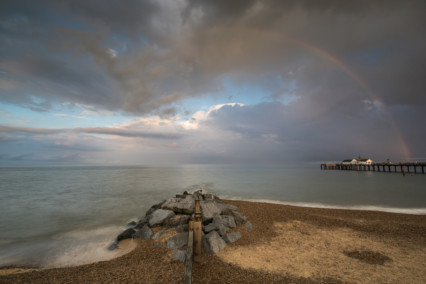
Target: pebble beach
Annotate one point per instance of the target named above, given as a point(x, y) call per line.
point(287, 244)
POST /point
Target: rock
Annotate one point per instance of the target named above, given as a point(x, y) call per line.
point(159, 234)
point(213, 243)
point(142, 222)
point(225, 220)
point(154, 207)
point(210, 227)
point(226, 208)
point(182, 228)
point(232, 237)
point(221, 229)
point(126, 234)
point(180, 205)
point(158, 217)
point(209, 196)
point(177, 241)
point(158, 244)
point(178, 254)
point(176, 220)
point(113, 246)
point(144, 233)
point(238, 217)
point(198, 195)
point(248, 225)
point(131, 224)
point(209, 209)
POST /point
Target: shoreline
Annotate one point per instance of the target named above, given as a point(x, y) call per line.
point(373, 208)
point(293, 235)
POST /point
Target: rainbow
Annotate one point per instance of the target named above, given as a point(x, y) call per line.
point(357, 78)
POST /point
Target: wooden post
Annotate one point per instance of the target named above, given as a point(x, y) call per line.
point(197, 232)
point(188, 260)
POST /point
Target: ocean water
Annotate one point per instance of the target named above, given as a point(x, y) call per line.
point(61, 216)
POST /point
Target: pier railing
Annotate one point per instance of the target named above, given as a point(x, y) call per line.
point(378, 167)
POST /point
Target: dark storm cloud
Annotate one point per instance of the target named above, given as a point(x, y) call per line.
point(141, 56)
point(94, 130)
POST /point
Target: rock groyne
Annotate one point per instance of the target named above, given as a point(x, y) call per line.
point(172, 216)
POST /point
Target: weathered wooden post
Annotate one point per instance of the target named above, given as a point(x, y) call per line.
point(197, 231)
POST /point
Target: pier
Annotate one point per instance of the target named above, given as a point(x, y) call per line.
point(378, 167)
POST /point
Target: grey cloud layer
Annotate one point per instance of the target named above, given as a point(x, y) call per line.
point(94, 130)
point(171, 50)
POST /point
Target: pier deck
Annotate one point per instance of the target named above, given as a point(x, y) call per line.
point(378, 167)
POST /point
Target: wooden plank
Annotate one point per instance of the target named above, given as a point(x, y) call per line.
point(197, 240)
point(188, 260)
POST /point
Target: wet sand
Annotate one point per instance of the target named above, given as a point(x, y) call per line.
point(287, 245)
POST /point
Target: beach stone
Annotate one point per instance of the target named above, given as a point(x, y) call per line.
point(222, 229)
point(154, 207)
point(210, 227)
point(198, 195)
point(238, 217)
point(232, 237)
point(225, 220)
point(159, 234)
point(226, 208)
point(182, 228)
point(209, 196)
point(180, 205)
point(113, 246)
point(126, 234)
point(209, 209)
point(213, 243)
point(177, 241)
point(144, 233)
point(158, 217)
point(178, 254)
point(248, 225)
point(142, 222)
point(176, 220)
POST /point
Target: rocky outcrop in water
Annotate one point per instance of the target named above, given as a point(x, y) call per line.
point(218, 218)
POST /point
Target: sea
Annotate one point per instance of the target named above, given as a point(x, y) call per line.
point(65, 216)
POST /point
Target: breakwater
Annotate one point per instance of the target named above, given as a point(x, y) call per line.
point(377, 167)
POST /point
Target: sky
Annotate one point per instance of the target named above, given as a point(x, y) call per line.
point(169, 82)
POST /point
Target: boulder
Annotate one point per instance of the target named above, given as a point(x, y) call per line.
point(225, 220)
point(226, 208)
point(113, 246)
point(232, 237)
point(238, 217)
point(210, 227)
point(158, 216)
point(154, 207)
point(176, 220)
point(209, 196)
point(144, 233)
point(182, 228)
point(126, 234)
point(213, 243)
point(221, 229)
point(142, 222)
point(209, 209)
point(178, 254)
point(180, 205)
point(177, 241)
